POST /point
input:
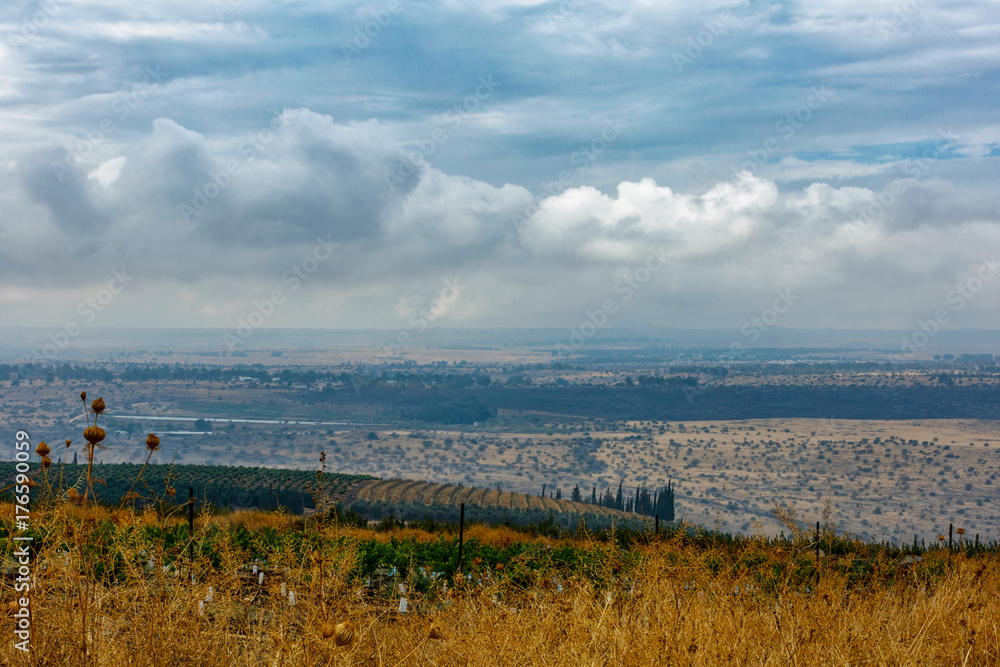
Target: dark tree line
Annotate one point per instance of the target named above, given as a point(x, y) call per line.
point(655, 502)
point(462, 411)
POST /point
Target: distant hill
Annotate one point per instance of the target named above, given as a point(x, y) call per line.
point(24, 342)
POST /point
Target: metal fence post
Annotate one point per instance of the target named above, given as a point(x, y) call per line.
point(191, 523)
point(461, 533)
point(817, 550)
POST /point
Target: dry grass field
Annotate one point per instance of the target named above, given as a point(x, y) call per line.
point(668, 602)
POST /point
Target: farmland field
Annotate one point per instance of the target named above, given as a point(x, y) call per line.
point(884, 478)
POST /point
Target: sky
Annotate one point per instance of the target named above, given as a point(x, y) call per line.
point(239, 164)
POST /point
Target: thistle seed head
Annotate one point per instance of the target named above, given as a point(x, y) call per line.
point(94, 434)
point(343, 633)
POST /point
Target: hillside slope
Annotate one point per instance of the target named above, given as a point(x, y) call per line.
point(432, 493)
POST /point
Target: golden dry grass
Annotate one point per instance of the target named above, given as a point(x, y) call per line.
point(666, 603)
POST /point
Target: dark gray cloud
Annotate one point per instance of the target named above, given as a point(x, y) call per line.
point(62, 190)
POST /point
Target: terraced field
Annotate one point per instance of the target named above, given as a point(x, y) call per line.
point(430, 493)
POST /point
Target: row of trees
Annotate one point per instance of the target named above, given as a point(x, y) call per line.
point(655, 502)
point(147, 372)
point(492, 515)
point(221, 486)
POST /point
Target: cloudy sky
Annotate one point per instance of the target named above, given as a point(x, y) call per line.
point(465, 163)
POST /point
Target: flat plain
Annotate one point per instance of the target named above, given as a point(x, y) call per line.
point(883, 479)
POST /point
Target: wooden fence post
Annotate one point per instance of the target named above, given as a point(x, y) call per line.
point(950, 527)
point(657, 522)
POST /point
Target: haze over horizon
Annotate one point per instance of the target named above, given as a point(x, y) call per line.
point(502, 163)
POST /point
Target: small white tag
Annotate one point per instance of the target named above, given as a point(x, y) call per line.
point(402, 605)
